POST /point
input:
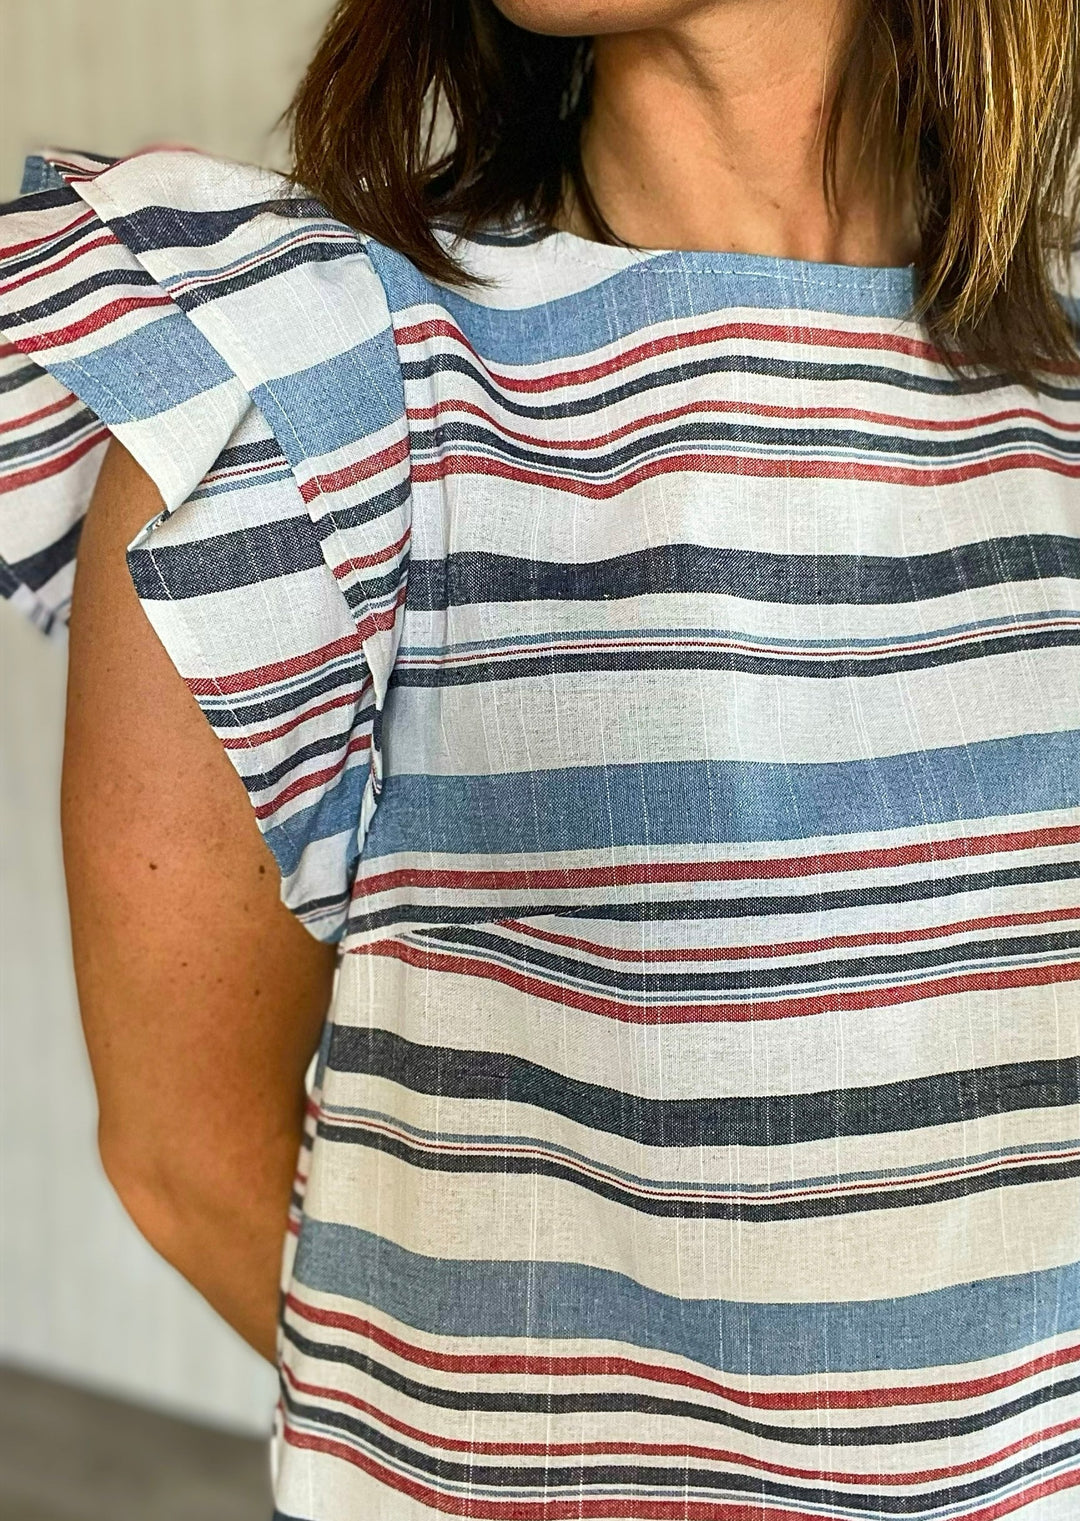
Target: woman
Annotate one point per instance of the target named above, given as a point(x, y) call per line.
point(629, 559)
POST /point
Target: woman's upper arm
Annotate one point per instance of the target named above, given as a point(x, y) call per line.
point(202, 996)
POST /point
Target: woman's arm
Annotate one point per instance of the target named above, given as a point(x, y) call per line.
point(202, 997)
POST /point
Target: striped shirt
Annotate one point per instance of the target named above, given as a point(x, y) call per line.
point(660, 675)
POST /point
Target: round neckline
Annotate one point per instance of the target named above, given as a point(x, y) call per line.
point(892, 288)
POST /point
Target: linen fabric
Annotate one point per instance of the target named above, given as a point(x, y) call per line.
point(660, 675)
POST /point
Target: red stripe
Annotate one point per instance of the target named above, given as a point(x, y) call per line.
point(761, 869)
point(835, 1001)
point(353, 474)
point(277, 670)
point(41, 271)
point(246, 472)
point(57, 466)
point(267, 736)
point(946, 639)
point(36, 344)
point(313, 779)
point(623, 1367)
point(673, 343)
point(552, 1450)
point(365, 562)
point(630, 1508)
point(13, 250)
point(793, 947)
point(317, 233)
point(516, 1509)
point(492, 1148)
point(695, 640)
point(750, 409)
point(780, 468)
point(40, 415)
point(379, 622)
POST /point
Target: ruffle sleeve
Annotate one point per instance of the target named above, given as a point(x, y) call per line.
point(238, 342)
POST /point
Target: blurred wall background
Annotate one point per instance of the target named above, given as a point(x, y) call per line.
point(81, 1296)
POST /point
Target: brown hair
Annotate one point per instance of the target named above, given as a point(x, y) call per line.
point(976, 101)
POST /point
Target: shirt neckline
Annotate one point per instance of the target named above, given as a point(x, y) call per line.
point(887, 290)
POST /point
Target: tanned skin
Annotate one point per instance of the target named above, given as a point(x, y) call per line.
point(202, 996)
point(708, 128)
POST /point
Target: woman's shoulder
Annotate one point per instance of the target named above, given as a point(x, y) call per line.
point(237, 341)
point(249, 258)
point(189, 306)
point(172, 294)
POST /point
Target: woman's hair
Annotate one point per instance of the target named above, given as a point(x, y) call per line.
point(975, 101)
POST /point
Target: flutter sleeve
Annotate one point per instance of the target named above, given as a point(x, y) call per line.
point(237, 341)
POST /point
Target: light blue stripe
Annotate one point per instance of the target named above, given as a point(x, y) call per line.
point(565, 1301)
point(306, 233)
point(39, 175)
point(164, 363)
point(54, 451)
point(336, 813)
point(725, 802)
point(267, 477)
point(337, 402)
point(649, 635)
point(493, 1142)
point(644, 997)
point(668, 288)
point(346, 665)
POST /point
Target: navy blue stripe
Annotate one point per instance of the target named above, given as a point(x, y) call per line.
point(576, 1481)
point(820, 440)
point(47, 438)
point(766, 1120)
point(38, 569)
point(9, 581)
point(58, 245)
point(823, 667)
point(767, 977)
point(156, 227)
point(246, 557)
point(685, 371)
point(331, 744)
point(249, 454)
point(632, 1401)
point(103, 279)
point(433, 917)
point(267, 269)
point(25, 375)
point(45, 199)
point(468, 577)
point(494, 1163)
point(226, 713)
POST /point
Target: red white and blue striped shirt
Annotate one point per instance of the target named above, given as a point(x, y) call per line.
point(661, 676)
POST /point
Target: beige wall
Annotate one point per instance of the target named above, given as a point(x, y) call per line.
point(80, 1293)
point(111, 75)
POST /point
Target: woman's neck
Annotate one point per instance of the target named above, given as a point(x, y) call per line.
point(711, 133)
